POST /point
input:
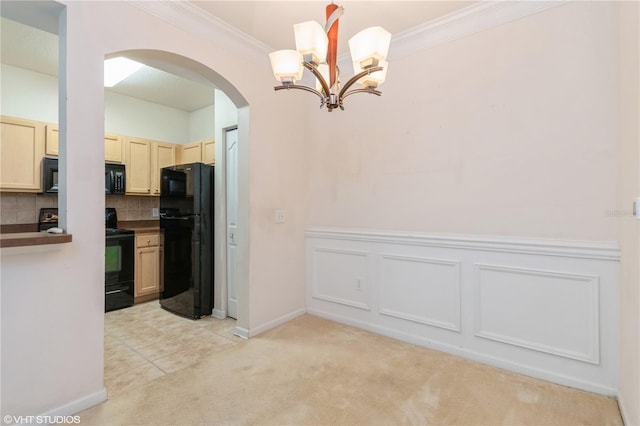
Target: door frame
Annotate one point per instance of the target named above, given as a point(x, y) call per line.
point(220, 251)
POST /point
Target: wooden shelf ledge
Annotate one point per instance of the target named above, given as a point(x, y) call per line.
point(25, 239)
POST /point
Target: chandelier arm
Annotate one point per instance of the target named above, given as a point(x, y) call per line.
point(369, 91)
point(301, 87)
point(357, 77)
point(316, 73)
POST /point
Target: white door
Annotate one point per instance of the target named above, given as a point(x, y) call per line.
point(231, 162)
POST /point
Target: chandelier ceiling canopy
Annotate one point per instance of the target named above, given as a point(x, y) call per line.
point(316, 50)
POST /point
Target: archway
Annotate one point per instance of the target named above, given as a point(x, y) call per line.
point(190, 69)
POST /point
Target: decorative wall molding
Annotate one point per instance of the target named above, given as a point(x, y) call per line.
point(355, 293)
point(545, 308)
point(188, 17)
point(586, 330)
point(575, 249)
point(477, 17)
point(438, 300)
point(456, 25)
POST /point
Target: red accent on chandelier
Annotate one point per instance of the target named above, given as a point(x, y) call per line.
point(332, 51)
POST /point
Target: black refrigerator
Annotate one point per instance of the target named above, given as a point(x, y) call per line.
point(186, 219)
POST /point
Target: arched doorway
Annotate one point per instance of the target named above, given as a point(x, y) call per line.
point(189, 69)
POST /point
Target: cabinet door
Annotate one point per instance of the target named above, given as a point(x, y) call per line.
point(147, 271)
point(113, 148)
point(137, 162)
point(208, 151)
point(191, 153)
point(21, 152)
point(51, 140)
point(163, 155)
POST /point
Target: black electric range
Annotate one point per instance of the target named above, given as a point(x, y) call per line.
point(118, 263)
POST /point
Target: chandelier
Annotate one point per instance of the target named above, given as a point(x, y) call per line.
point(316, 50)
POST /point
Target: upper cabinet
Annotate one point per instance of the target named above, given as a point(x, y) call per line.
point(113, 148)
point(197, 152)
point(138, 165)
point(209, 151)
point(190, 153)
point(51, 140)
point(162, 155)
point(21, 151)
point(113, 145)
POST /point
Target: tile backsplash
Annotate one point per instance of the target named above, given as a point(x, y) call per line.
point(132, 207)
point(23, 208)
point(19, 208)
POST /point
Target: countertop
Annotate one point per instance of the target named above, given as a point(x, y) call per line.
point(24, 239)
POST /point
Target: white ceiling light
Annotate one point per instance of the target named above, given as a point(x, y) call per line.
point(314, 45)
point(117, 69)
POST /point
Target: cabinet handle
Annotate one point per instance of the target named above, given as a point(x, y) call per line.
point(140, 252)
point(148, 241)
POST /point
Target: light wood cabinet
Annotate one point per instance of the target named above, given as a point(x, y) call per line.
point(51, 140)
point(21, 151)
point(113, 148)
point(209, 151)
point(163, 154)
point(113, 145)
point(138, 165)
point(190, 153)
point(148, 264)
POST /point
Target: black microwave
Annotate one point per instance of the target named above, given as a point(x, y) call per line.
point(173, 183)
point(50, 175)
point(114, 179)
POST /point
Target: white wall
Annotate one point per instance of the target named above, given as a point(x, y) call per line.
point(134, 117)
point(510, 131)
point(33, 95)
point(66, 289)
point(629, 227)
point(202, 123)
point(28, 94)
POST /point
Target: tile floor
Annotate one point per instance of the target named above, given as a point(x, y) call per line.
point(144, 342)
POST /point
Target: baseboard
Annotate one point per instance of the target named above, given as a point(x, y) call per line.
point(466, 353)
point(276, 322)
point(241, 332)
point(79, 405)
point(219, 314)
point(624, 413)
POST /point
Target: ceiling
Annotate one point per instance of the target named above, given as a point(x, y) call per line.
point(270, 22)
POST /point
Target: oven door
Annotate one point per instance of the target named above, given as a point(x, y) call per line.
point(118, 259)
point(118, 296)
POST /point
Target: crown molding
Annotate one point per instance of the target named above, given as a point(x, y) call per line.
point(190, 18)
point(477, 17)
point(464, 22)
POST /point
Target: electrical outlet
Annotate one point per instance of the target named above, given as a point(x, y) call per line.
point(281, 216)
point(154, 212)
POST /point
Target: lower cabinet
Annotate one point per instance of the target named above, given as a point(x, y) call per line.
point(148, 266)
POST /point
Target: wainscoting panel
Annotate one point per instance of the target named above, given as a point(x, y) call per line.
point(340, 276)
point(547, 311)
point(544, 308)
point(423, 290)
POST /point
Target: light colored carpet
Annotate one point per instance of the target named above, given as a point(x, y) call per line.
point(314, 371)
